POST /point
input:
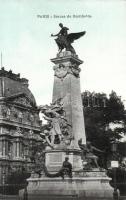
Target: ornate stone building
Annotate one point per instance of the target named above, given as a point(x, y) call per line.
point(19, 122)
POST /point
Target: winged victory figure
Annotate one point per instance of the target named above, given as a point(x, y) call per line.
point(64, 39)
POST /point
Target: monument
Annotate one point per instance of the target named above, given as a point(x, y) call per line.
point(63, 131)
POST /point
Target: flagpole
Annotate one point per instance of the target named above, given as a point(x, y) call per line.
point(1, 60)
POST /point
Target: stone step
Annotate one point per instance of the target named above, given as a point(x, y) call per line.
point(122, 198)
point(65, 197)
point(9, 197)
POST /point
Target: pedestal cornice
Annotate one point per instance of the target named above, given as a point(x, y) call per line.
point(65, 57)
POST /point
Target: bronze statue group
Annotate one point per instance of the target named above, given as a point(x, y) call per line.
point(64, 39)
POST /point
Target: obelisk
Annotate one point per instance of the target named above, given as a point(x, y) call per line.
point(67, 87)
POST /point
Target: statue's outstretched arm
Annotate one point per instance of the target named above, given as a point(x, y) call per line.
point(55, 34)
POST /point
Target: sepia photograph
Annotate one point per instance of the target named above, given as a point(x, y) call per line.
point(62, 100)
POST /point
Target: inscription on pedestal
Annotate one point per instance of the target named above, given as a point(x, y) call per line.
point(54, 160)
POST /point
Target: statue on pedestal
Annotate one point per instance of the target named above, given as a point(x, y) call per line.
point(64, 39)
point(88, 154)
point(57, 126)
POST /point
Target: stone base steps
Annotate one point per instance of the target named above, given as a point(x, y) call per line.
point(122, 198)
point(9, 197)
point(47, 197)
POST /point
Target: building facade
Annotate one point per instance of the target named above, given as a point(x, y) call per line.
point(19, 123)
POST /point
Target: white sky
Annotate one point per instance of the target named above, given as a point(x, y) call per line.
point(27, 46)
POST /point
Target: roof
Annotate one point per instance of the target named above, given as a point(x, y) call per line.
point(11, 85)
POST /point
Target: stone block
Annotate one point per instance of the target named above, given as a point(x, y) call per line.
point(86, 188)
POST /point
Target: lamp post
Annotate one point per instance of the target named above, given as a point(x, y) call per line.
point(115, 165)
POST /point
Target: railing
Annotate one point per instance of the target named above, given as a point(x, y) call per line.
point(11, 191)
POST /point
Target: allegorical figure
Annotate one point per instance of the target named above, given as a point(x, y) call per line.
point(88, 152)
point(56, 130)
point(64, 39)
point(55, 127)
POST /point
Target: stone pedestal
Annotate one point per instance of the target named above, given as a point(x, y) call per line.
point(54, 159)
point(122, 198)
point(67, 87)
point(79, 187)
point(9, 197)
